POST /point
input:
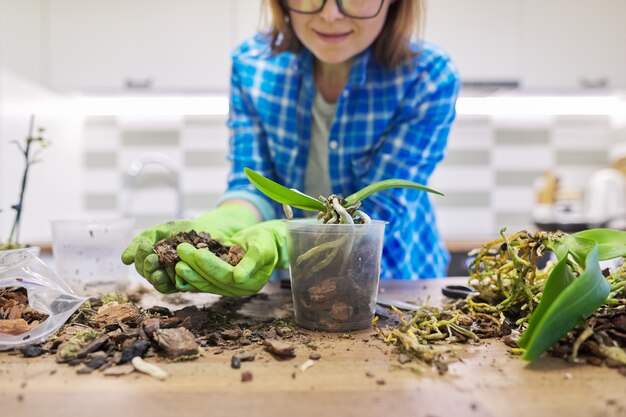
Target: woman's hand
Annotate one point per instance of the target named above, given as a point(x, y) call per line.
point(265, 249)
point(221, 223)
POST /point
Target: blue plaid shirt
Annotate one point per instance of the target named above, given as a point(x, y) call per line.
point(390, 123)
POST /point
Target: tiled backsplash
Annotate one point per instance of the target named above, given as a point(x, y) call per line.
point(487, 176)
point(492, 164)
point(195, 146)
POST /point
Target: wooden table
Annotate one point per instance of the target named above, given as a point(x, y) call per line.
point(358, 376)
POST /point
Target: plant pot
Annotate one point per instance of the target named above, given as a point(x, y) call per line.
point(334, 271)
point(87, 254)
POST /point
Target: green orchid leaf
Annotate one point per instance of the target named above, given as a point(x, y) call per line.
point(611, 242)
point(560, 278)
point(566, 306)
point(579, 247)
point(282, 194)
point(384, 185)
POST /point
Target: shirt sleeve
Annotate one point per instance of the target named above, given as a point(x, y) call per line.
point(412, 146)
point(248, 145)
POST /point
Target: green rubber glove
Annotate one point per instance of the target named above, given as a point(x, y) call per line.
point(221, 223)
point(265, 247)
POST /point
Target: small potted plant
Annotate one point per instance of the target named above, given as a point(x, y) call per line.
point(30, 149)
point(334, 260)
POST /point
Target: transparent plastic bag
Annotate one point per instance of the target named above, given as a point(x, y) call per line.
point(47, 293)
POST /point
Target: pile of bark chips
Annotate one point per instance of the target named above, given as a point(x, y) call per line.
point(107, 334)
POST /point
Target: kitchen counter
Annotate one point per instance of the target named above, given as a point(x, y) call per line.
point(359, 375)
point(453, 245)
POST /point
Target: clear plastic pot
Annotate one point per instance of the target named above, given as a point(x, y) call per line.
point(334, 271)
point(87, 254)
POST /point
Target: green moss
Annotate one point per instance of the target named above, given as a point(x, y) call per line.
point(70, 349)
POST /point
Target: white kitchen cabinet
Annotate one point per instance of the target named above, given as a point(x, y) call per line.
point(482, 36)
point(154, 45)
point(20, 39)
point(542, 44)
point(184, 46)
point(571, 44)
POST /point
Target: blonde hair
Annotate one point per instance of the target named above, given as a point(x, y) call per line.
point(391, 47)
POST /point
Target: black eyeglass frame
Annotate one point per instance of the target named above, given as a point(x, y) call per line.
point(339, 5)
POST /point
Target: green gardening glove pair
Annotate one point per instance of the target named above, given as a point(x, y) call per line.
point(265, 249)
point(221, 223)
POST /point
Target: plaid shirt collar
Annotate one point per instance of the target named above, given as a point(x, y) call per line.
point(358, 73)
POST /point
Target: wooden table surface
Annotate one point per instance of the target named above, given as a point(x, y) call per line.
point(359, 376)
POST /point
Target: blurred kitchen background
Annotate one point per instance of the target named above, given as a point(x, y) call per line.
point(133, 97)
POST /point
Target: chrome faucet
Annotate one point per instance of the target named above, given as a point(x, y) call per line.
point(137, 166)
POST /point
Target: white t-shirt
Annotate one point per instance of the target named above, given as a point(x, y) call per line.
point(317, 176)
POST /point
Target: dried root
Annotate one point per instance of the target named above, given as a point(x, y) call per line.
point(504, 272)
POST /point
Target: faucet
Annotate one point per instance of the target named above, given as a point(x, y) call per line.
point(137, 166)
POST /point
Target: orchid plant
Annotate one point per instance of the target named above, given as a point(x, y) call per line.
point(547, 304)
point(332, 209)
point(575, 288)
point(30, 148)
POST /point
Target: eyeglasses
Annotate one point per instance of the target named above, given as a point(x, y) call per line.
point(356, 9)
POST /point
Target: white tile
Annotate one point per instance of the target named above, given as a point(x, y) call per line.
point(522, 157)
point(513, 199)
point(205, 138)
point(458, 223)
point(470, 137)
point(462, 179)
point(128, 155)
point(151, 201)
point(522, 122)
point(102, 180)
point(573, 138)
point(101, 138)
point(204, 180)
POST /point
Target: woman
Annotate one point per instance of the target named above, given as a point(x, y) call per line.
point(333, 98)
